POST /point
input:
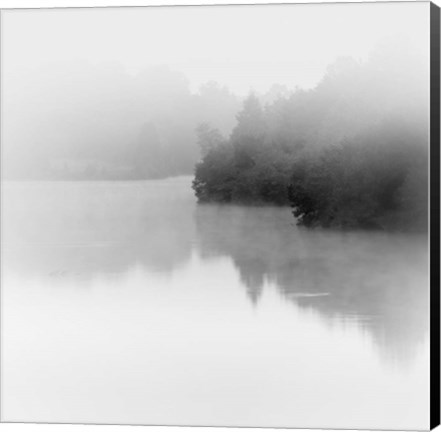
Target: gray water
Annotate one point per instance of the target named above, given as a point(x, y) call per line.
point(126, 302)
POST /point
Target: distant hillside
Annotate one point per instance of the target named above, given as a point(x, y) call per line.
point(98, 122)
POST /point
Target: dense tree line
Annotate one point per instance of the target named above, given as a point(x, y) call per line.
point(352, 152)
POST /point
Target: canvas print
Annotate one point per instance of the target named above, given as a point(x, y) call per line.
point(216, 215)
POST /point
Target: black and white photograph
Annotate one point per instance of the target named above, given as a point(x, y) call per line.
point(217, 215)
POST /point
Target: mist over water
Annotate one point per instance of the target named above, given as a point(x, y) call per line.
point(216, 215)
point(126, 302)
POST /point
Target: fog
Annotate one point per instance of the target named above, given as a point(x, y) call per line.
point(128, 303)
point(117, 93)
point(216, 215)
point(238, 46)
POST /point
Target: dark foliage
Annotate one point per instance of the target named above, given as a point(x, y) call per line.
point(374, 181)
point(351, 153)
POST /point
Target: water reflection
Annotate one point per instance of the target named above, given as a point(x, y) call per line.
point(378, 281)
point(76, 231)
point(83, 229)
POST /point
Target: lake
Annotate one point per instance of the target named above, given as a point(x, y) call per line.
point(127, 302)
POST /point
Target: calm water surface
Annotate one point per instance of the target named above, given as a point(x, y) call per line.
point(129, 303)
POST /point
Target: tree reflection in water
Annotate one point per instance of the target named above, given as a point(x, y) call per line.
point(375, 280)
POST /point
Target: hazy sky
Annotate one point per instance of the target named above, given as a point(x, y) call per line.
point(244, 47)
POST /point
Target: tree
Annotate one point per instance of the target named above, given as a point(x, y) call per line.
point(208, 138)
point(250, 120)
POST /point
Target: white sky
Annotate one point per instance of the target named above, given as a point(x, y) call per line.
point(243, 47)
